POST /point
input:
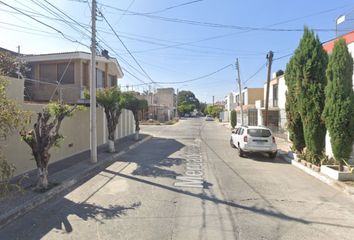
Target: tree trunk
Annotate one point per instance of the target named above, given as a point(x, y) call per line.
point(111, 147)
point(42, 178)
point(136, 135)
point(341, 167)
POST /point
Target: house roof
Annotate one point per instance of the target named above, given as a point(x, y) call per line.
point(9, 51)
point(328, 46)
point(71, 55)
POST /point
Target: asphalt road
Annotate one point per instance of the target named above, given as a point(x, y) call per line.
point(188, 183)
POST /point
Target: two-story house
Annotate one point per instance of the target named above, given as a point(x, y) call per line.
point(276, 104)
point(65, 75)
point(161, 104)
point(249, 98)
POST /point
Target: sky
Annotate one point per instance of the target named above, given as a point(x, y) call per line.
point(184, 44)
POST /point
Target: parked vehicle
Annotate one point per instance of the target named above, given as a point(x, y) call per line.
point(253, 139)
point(209, 118)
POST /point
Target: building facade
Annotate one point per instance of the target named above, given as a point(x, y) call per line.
point(249, 98)
point(65, 76)
point(161, 104)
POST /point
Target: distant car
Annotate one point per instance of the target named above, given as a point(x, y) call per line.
point(253, 139)
point(187, 115)
point(209, 118)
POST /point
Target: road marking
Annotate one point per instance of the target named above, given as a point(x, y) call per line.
point(194, 168)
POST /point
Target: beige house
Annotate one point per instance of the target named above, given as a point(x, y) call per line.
point(249, 98)
point(65, 75)
point(162, 104)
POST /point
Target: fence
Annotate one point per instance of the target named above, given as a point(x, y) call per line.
point(76, 132)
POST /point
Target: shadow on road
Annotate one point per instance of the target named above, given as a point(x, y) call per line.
point(254, 209)
point(45, 221)
point(153, 160)
point(262, 157)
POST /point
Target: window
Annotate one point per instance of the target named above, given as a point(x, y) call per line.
point(112, 81)
point(259, 132)
point(48, 72)
point(65, 73)
point(275, 95)
point(99, 78)
point(85, 75)
point(53, 72)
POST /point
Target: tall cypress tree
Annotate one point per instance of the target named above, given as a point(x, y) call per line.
point(310, 63)
point(294, 123)
point(339, 107)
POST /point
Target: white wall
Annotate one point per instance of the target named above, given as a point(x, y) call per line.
point(282, 88)
point(76, 132)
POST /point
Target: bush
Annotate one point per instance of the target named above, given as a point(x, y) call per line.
point(233, 118)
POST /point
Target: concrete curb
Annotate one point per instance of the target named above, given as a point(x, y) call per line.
point(21, 210)
point(333, 183)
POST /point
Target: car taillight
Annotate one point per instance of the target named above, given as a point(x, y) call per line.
point(273, 139)
point(245, 138)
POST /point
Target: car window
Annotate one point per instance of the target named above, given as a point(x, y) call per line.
point(242, 130)
point(259, 132)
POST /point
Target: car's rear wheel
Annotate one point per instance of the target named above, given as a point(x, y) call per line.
point(232, 143)
point(272, 155)
point(240, 152)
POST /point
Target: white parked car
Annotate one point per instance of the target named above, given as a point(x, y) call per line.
point(253, 139)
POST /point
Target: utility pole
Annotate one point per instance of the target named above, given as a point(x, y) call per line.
point(240, 89)
point(18, 59)
point(177, 103)
point(270, 60)
point(93, 129)
point(213, 100)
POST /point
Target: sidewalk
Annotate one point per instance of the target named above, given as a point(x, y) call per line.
point(66, 173)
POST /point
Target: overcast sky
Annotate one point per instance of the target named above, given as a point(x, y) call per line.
point(175, 41)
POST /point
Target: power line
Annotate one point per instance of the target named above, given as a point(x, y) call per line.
point(174, 6)
point(120, 19)
point(75, 41)
point(254, 74)
point(47, 25)
point(216, 25)
point(193, 79)
point(126, 48)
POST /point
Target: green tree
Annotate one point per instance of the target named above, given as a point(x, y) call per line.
point(233, 118)
point(294, 122)
point(135, 105)
point(339, 107)
point(187, 101)
point(202, 107)
point(214, 111)
point(184, 108)
point(44, 135)
point(10, 65)
point(310, 62)
point(111, 101)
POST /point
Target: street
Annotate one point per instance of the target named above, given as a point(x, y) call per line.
point(188, 183)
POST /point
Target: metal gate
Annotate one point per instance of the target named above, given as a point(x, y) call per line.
point(252, 117)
